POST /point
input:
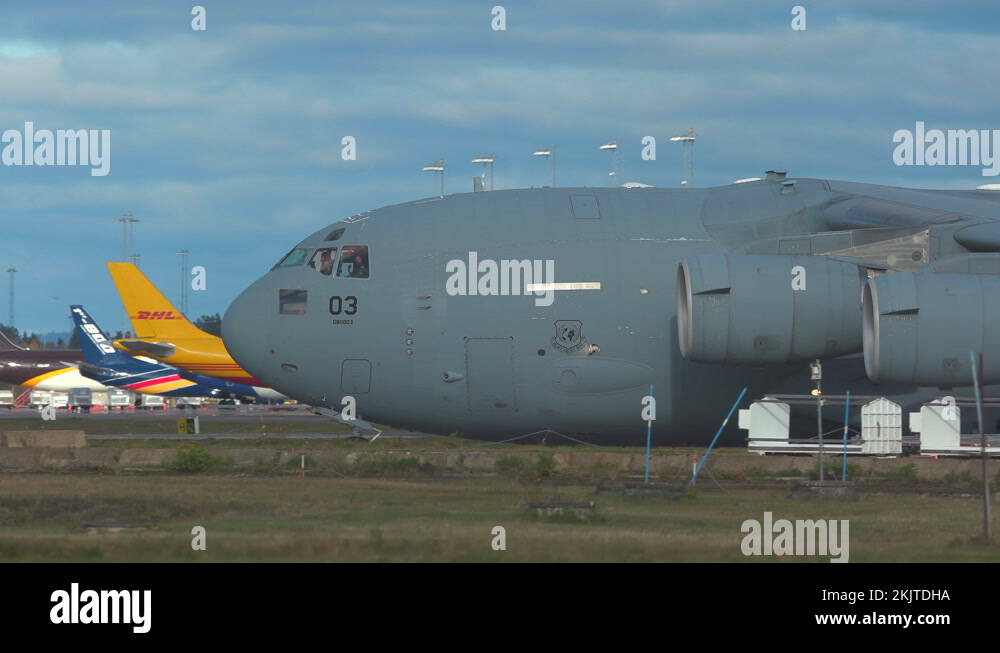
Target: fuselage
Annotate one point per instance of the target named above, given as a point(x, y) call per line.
point(44, 369)
point(206, 356)
point(417, 347)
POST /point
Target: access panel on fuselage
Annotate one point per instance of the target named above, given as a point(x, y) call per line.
point(356, 376)
point(489, 374)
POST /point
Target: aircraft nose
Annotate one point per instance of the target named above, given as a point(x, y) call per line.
point(243, 330)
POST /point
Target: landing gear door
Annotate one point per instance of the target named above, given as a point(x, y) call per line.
point(489, 373)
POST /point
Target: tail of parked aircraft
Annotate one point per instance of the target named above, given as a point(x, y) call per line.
point(152, 314)
point(163, 333)
point(105, 364)
point(7, 345)
point(96, 346)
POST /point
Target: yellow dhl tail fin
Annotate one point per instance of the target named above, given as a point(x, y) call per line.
point(152, 314)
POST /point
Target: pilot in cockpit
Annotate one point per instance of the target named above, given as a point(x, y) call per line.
point(326, 262)
point(360, 267)
point(325, 258)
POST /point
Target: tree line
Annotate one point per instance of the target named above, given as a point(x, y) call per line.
point(209, 323)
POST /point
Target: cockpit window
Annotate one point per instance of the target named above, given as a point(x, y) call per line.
point(336, 234)
point(323, 260)
point(292, 301)
point(297, 256)
point(354, 262)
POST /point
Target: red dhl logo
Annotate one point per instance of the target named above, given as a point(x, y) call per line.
point(155, 315)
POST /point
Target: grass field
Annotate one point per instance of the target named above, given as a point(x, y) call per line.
point(285, 518)
point(144, 424)
point(268, 427)
point(372, 501)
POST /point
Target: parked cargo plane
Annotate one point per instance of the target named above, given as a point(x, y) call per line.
point(42, 369)
point(103, 363)
point(501, 313)
point(163, 333)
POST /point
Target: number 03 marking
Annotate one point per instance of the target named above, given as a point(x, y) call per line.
point(346, 305)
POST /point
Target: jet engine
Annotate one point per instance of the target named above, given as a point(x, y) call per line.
point(919, 327)
point(742, 309)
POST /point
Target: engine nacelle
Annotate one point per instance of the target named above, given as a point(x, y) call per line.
point(744, 309)
point(919, 327)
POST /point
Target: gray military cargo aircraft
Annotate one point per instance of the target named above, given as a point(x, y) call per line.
point(500, 313)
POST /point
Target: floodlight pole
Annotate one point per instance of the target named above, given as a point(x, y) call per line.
point(184, 280)
point(549, 151)
point(847, 417)
point(817, 376)
point(128, 221)
point(617, 166)
point(977, 376)
point(437, 167)
point(649, 438)
point(11, 271)
point(819, 431)
point(487, 160)
point(687, 139)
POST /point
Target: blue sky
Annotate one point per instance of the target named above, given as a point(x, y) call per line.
point(226, 142)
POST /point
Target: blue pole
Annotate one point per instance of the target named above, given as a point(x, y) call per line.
point(847, 414)
point(649, 436)
point(694, 477)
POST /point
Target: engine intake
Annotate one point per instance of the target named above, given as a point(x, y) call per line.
point(919, 327)
point(743, 309)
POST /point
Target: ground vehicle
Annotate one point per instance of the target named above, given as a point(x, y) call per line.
point(119, 399)
point(6, 399)
point(150, 402)
point(40, 398)
point(80, 399)
point(59, 400)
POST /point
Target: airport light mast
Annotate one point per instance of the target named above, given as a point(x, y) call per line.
point(617, 171)
point(128, 221)
point(437, 167)
point(11, 271)
point(816, 374)
point(487, 161)
point(184, 286)
point(550, 152)
point(977, 383)
point(687, 139)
